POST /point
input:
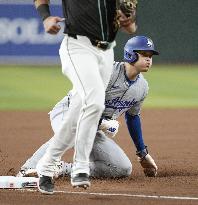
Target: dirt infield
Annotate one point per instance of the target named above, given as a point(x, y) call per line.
point(171, 136)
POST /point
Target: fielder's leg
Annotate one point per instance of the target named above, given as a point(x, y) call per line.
point(88, 78)
point(62, 141)
point(28, 169)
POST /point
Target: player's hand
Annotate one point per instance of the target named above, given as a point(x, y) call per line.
point(149, 165)
point(126, 23)
point(109, 127)
point(51, 24)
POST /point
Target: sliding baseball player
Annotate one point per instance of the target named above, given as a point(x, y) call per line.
point(125, 94)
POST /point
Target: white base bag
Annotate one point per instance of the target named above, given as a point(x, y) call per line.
point(12, 182)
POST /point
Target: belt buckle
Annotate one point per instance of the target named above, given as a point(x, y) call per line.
point(102, 44)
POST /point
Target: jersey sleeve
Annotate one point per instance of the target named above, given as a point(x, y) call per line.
point(135, 131)
point(135, 109)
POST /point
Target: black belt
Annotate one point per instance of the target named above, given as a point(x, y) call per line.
point(104, 45)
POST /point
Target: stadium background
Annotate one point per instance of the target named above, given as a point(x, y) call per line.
point(171, 24)
point(29, 57)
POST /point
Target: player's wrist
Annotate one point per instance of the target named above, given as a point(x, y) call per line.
point(43, 11)
point(141, 154)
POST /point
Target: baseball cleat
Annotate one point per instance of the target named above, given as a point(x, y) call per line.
point(46, 185)
point(27, 172)
point(81, 180)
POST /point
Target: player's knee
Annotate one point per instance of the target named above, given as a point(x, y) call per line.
point(126, 169)
point(129, 170)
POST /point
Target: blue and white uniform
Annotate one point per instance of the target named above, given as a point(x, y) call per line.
point(123, 95)
point(107, 159)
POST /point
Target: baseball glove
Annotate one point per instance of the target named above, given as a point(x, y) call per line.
point(109, 127)
point(128, 8)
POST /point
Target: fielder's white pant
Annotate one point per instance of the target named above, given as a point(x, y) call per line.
point(89, 69)
point(107, 159)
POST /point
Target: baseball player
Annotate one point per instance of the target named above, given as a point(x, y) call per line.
point(107, 159)
point(86, 54)
point(125, 93)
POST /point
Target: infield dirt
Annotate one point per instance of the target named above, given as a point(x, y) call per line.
point(172, 139)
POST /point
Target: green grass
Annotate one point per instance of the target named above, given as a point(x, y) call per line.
point(39, 88)
point(173, 86)
point(31, 88)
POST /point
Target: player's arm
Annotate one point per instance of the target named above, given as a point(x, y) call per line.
point(39, 2)
point(50, 22)
point(133, 121)
point(126, 15)
point(135, 131)
point(134, 126)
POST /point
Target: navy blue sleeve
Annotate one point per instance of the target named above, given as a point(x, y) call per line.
point(135, 130)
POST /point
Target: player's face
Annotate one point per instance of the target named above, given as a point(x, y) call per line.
point(144, 61)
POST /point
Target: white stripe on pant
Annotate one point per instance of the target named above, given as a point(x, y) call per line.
point(89, 69)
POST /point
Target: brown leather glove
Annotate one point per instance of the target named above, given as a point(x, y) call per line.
point(128, 8)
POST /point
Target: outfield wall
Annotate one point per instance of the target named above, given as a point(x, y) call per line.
point(22, 37)
point(172, 24)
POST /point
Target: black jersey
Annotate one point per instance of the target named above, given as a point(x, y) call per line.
point(95, 19)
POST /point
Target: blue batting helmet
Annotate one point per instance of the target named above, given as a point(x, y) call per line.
point(137, 43)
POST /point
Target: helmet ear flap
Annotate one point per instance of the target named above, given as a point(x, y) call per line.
point(135, 57)
point(130, 57)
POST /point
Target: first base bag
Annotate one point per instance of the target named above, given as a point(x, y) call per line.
point(12, 182)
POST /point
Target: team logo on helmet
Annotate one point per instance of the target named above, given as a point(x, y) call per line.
point(149, 42)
